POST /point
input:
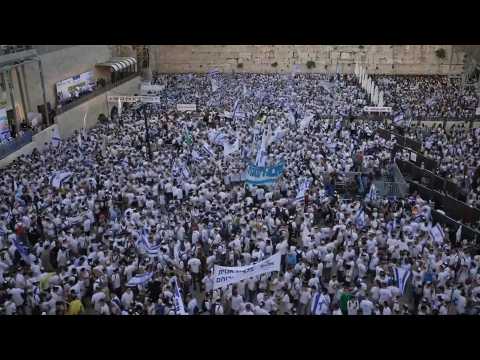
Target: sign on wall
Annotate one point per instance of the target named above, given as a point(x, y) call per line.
point(4, 128)
point(71, 87)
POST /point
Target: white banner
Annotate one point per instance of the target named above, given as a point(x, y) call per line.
point(145, 88)
point(224, 276)
point(134, 99)
point(383, 109)
point(186, 107)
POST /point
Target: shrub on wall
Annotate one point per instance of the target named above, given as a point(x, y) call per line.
point(311, 64)
point(361, 46)
point(275, 64)
point(240, 65)
point(441, 53)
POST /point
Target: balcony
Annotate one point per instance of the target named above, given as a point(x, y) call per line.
point(98, 91)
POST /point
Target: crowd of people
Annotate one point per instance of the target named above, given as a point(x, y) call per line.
point(428, 96)
point(103, 223)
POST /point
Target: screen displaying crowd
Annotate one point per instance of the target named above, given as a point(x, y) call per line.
point(94, 225)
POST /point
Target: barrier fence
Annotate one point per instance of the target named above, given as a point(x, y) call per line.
point(15, 144)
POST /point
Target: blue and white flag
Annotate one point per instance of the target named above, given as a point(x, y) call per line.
point(302, 189)
point(320, 304)
point(458, 234)
point(398, 120)
point(144, 245)
point(177, 297)
point(262, 156)
point(139, 279)
point(56, 137)
point(231, 148)
point(401, 275)
point(245, 90)
point(257, 175)
point(372, 195)
point(306, 121)
point(185, 171)
point(360, 221)
point(437, 234)
point(206, 150)
point(214, 84)
point(392, 225)
point(196, 156)
point(57, 179)
point(22, 249)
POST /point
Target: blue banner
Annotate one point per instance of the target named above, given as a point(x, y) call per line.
point(260, 175)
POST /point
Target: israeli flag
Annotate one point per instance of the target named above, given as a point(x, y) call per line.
point(306, 121)
point(401, 275)
point(437, 234)
point(214, 84)
point(205, 149)
point(245, 93)
point(56, 137)
point(458, 234)
point(177, 296)
point(213, 71)
point(59, 178)
point(262, 155)
point(302, 189)
point(22, 249)
point(398, 120)
point(185, 171)
point(196, 156)
point(139, 279)
point(231, 148)
point(144, 245)
point(360, 222)
point(372, 195)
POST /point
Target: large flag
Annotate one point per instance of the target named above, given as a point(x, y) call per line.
point(302, 189)
point(140, 279)
point(177, 296)
point(401, 275)
point(56, 137)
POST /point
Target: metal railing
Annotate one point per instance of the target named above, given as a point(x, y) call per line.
point(15, 144)
point(98, 91)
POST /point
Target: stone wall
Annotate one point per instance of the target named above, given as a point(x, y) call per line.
point(384, 59)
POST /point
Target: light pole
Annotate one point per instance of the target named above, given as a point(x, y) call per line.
point(147, 134)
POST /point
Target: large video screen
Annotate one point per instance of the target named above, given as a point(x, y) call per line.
point(75, 87)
